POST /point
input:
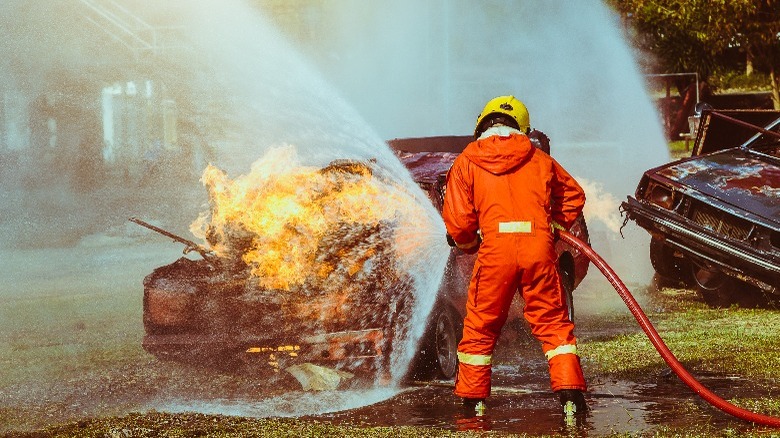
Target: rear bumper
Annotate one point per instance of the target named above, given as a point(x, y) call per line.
point(350, 345)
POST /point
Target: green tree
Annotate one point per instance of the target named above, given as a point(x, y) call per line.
point(692, 35)
point(759, 34)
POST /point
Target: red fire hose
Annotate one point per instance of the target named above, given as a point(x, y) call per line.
point(659, 344)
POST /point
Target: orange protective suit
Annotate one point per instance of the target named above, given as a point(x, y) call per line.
point(511, 192)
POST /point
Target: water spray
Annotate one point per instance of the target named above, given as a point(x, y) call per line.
point(659, 344)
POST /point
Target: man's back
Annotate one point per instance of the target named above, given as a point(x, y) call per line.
point(511, 184)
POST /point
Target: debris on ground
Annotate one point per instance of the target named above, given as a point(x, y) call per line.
point(318, 378)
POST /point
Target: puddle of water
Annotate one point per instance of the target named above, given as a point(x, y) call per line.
point(615, 407)
point(521, 402)
point(535, 412)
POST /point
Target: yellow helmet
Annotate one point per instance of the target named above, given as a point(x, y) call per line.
point(506, 105)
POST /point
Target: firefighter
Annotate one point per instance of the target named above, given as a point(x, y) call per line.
point(502, 200)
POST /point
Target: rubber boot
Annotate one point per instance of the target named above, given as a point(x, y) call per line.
point(475, 405)
point(573, 402)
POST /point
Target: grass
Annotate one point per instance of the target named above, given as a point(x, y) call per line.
point(729, 341)
point(738, 81)
point(735, 343)
point(678, 146)
point(188, 425)
point(48, 338)
point(677, 149)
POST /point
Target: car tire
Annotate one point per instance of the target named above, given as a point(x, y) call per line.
point(447, 335)
point(714, 287)
point(438, 355)
point(719, 290)
point(669, 267)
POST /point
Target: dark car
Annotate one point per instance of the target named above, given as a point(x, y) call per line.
point(714, 217)
point(196, 309)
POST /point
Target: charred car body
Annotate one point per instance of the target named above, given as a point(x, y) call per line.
point(198, 309)
point(714, 218)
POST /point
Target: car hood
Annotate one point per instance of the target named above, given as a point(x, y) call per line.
point(734, 176)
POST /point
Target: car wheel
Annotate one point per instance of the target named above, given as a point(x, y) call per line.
point(446, 340)
point(715, 287)
point(665, 263)
point(438, 356)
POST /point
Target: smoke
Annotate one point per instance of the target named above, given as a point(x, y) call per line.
point(601, 206)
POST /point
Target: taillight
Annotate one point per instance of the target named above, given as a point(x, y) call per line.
point(168, 307)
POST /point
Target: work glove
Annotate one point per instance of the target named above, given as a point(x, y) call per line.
point(555, 227)
point(450, 241)
point(471, 250)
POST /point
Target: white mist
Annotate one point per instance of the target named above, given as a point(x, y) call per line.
point(426, 68)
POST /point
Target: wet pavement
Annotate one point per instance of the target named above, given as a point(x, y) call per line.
point(520, 405)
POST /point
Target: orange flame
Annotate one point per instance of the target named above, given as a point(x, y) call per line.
point(274, 218)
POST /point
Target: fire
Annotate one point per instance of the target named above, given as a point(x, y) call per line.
point(286, 221)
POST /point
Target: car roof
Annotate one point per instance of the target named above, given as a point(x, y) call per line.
point(426, 167)
point(428, 157)
point(442, 143)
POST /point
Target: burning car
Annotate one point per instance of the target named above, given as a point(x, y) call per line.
point(302, 264)
point(337, 295)
point(714, 217)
